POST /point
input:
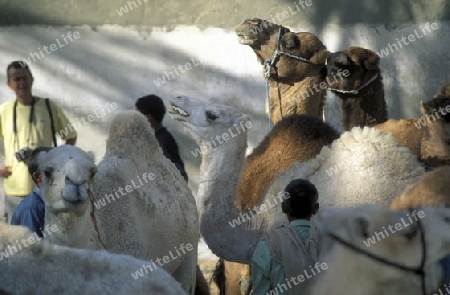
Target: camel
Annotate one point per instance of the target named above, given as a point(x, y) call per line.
point(361, 92)
point(361, 227)
point(427, 137)
point(296, 70)
point(29, 265)
point(125, 222)
point(232, 235)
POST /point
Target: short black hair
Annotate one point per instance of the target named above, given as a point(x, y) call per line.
point(151, 105)
point(32, 161)
point(301, 199)
point(17, 65)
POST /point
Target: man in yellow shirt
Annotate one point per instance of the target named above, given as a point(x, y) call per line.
point(25, 122)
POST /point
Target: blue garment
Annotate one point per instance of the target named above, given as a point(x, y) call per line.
point(445, 262)
point(267, 274)
point(31, 212)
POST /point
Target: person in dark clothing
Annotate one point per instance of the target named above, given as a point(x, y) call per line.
point(31, 210)
point(153, 108)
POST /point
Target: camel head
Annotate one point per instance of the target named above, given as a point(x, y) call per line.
point(362, 66)
point(396, 237)
point(67, 173)
point(207, 122)
point(436, 116)
point(440, 103)
point(263, 37)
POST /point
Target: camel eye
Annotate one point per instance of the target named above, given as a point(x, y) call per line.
point(48, 172)
point(210, 115)
point(291, 43)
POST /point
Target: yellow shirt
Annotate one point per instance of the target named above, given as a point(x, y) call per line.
point(36, 134)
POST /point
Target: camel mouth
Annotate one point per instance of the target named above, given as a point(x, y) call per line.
point(177, 111)
point(245, 40)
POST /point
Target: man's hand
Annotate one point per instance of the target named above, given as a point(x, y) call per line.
point(5, 171)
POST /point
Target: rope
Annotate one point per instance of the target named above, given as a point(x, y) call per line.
point(357, 90)
point(94, 220)
point(268, 65)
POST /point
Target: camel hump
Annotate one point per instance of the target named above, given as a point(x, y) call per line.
point(296, 138)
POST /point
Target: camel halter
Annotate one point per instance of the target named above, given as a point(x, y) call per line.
point(94, 220)
point(418, 271)
point(356, 91)
point(269, 64)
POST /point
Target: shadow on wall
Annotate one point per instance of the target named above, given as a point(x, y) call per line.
point(119, 65)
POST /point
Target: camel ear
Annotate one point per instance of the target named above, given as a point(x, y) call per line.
point(359, 226)
point(320, 57)
point(424, 109)
point(373, 61)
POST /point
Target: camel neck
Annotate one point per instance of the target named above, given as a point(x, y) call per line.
point(366, 108)
point(301, 97)
point(72, 231)
point(220, 174)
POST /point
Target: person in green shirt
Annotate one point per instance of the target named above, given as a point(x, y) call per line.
point(300, 205)
point(25, 122)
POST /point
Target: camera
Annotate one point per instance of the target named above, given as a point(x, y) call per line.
point(23, 154)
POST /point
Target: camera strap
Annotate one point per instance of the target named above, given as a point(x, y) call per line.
point(47, 103)
point(30, 121)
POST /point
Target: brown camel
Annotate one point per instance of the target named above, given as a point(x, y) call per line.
point(295, 74)
point(428, 137)
point(361, 92)
point(294, 78)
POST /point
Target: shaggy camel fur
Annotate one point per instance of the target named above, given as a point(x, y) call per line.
point(44, 269)
point(295, 138)
point(363, 166)
point(403, 247)
point(427, 137)
point(130, 222)
point(367, 106)
point(293, 83)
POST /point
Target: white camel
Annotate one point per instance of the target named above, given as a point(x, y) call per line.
point(363, 166)
point(32, 266)
point(221, 134)
point(395, 237)
point(142, 205)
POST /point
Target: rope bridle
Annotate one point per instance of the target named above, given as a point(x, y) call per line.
point(355, 91)
point(416, 270)
point(94, 220)
point(269, 64)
